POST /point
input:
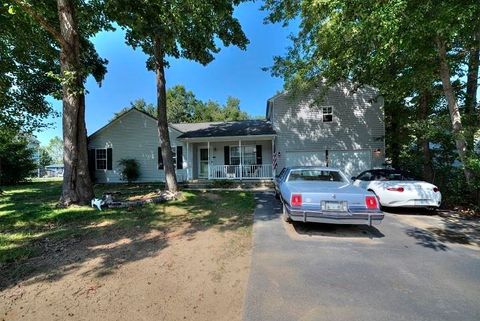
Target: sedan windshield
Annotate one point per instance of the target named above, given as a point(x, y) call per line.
point(315, 175)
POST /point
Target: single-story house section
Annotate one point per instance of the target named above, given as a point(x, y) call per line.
point(54, 170)
point(346, 130)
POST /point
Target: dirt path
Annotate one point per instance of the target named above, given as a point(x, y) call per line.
point(185, 276)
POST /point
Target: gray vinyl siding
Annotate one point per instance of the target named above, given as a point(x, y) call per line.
point(134, 135)
point(358, 122)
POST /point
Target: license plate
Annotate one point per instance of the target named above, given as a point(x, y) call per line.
point(333, 206)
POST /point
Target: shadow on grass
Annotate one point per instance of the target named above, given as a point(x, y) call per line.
point(39, 241)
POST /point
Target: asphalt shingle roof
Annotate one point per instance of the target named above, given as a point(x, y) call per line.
point(222, 129)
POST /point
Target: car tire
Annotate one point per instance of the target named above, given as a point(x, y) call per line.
point(431, 210)
point(277, 195)
point(285, 215)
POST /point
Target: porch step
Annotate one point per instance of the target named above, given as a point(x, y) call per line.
point(229, 184)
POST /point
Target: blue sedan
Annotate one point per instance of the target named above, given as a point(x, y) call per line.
point(325, 195)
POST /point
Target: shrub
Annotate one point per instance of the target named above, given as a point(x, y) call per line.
point(222, 183)
point(16, 159)
point(130, 169)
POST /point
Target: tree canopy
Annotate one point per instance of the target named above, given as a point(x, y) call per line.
point(184, 107)
point(30, 66)
point(422, 56)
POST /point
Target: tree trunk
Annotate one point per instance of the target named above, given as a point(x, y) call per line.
point(473, 121)
point(1, 191)
point(455, 118)
point(77, 185)
point(393, 133)
point(170, 177)
point(423, 142)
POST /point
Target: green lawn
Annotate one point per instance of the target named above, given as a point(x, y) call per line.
point(29, 218)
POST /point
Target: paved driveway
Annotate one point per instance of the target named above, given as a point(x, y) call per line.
point(408, 268)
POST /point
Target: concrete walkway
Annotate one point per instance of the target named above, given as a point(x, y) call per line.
point(332, 272)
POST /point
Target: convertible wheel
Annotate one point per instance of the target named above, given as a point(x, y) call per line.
point(431, 210)
point(285, 215)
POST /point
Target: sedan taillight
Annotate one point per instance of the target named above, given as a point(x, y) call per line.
point(296, 200)
point(435, 189)
point(395, 189)
point(371, 202)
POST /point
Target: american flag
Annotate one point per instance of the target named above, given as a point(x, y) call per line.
point(275, 157)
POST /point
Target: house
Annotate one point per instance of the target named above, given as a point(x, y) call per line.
point(345, 130)
point(54, 170)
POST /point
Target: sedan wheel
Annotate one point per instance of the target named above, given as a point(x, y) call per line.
point(285, 215)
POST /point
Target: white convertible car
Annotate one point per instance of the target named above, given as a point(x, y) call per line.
point(395, 188)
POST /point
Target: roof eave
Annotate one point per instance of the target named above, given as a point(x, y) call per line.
point(226, 138)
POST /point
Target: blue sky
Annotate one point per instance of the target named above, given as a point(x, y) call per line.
point(233, 73)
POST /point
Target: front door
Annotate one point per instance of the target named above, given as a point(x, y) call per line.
point(203, 166)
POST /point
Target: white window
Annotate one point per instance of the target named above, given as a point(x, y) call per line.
point(327, 113)
point(101, 158)
point(249, 155)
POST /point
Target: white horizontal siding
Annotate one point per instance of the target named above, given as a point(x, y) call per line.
point(134, 135)
point(358, 123)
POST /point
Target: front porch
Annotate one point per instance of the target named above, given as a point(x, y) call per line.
point(248, 158)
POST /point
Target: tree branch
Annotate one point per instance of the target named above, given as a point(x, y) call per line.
point(43, 22)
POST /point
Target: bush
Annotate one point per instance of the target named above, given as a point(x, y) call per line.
point(130, 170)
point(222, 183)
point(16, 159)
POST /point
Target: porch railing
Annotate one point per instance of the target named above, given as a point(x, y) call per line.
point(241, 171)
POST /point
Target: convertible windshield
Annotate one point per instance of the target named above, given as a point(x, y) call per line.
point(315, 175)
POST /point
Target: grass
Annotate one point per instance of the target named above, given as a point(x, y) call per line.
point(29, 217)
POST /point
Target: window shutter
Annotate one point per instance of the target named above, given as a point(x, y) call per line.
point(179, 157)
point(259, 154)
point(226, 154)
point(160, 158)
point(109, 159)
point(91, 164)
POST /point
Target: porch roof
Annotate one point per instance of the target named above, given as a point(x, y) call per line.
point(225, 129)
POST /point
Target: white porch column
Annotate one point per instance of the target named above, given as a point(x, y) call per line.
point(241, 160)
point(273, 151)
point(188, 162)
point(208, 148)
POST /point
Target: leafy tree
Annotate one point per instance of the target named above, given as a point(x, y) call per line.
point(139, 104)
point(403, 47)
point(232, 110)
point(181, 105)
point(16, 157)
point(27, 54)
point(55, 149)
point(183, 28)
point(44, 158)
point(65, 26)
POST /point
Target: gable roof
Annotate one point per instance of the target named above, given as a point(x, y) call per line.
point(210, 129)
point(222, 129)
point(118, 118)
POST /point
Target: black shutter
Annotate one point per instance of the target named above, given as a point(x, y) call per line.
point(226, 155)
point(109, 159)
point(179, 157)
point(259, 154)
point(160, 158)
point(91, 164)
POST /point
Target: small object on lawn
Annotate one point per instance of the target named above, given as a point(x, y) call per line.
point(108, 198)
point(98, 203)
